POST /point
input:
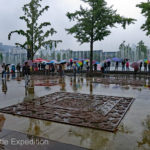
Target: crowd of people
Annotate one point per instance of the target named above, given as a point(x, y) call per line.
point(125, 65)
point(60, 68)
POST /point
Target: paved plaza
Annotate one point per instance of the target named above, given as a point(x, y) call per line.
point(132, 131)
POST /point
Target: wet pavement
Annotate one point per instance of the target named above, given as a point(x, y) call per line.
point(12, 140)
point(133, 132)
point(94, 111)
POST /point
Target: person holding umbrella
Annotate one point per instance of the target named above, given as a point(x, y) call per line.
point(116, 67)
point(123, 65)
point(3, 70)
point(18, 67)
point(95, 67)
point(141, 63)
point(74, 69)
point(127, 66)
point(136, 66)
point(108, 65)
point(145, 66)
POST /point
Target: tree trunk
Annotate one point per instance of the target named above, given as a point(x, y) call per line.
point(28, 54)
point(91, 55)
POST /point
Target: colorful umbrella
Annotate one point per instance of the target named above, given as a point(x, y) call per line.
point(79, 63)
point(135, 65)
point(117, 59)
point(52, 62)
point(75, 58)
point(140, 61)
point(63, 61)
point(44, 62)
point(86, 60)
point(108, 60)
point(30, 63)
point(146, 61)
point(39, 60)
point(97, 63)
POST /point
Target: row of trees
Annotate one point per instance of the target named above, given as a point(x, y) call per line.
point(139, 52)
point(53, 56)
point(93, 23)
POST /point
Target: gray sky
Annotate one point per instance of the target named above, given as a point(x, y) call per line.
point(10, 10)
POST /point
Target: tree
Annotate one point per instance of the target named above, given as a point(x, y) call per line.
point(53, 55)
point(58, 57)
point(64, 56)
point(94, 23)
point(1, 57)
point(142, 50)
point(70, 54)
point(145, 10)
point(35, 35)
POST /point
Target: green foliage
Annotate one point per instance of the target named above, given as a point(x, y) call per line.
point(125, 51)
point(1, 57)
point(145, 10)
point(142, 49)
point(58, 57)
point(64, 56)
point(94, 23)
point(53, 55)
point(35, 35)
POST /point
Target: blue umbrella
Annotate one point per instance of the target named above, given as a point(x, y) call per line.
point(97, 63)
point(63, 61)
point(117, 59)
point(75, 58)
point(52, 62)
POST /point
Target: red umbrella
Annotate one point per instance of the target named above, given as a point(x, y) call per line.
point(135, 65)
point(39, 60)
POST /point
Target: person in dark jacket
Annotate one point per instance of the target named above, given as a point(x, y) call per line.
point(95, 67)
point(141, 65)
point(116, 67)
point(18, 67)
point(26, 73)
point(145, 66)
point(26, 69)
point(3, 70)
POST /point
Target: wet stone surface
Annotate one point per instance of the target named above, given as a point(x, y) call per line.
point(94, 111)
point(45, 83)
point(121, 80)
point(18, 141)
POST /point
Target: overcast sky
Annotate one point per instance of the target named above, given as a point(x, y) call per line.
point(10, 10)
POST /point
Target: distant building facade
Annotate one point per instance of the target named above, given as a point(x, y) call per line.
point(12, 54)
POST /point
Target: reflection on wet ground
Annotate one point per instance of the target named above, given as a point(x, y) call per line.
point(133, 131)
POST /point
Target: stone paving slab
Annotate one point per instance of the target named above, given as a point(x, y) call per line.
point(45, 83)
point(19, 141)
point(94, 111)
point(122, 81)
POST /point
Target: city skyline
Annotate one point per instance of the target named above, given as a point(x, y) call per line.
point(56, 15)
